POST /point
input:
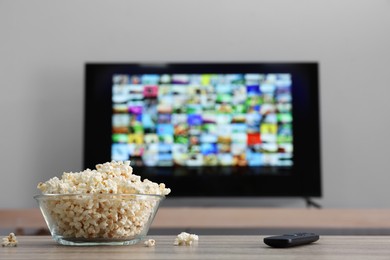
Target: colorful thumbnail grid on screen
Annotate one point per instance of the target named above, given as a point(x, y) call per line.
point(203, 119)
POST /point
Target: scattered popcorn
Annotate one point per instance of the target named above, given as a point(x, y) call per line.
point(185, 239)
point(116, 217)
point(150, 243)
point(10, 240)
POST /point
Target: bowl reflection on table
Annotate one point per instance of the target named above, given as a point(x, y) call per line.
point(98, 219)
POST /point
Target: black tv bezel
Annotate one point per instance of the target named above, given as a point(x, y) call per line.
point(305, 177)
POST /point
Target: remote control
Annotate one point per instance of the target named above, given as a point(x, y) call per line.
point(290, 240)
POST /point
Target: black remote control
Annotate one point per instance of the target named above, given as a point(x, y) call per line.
point(290, 240)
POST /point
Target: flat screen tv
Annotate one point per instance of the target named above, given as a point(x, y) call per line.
point(208, 129)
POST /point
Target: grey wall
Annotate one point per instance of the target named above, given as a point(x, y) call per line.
point(44, 45)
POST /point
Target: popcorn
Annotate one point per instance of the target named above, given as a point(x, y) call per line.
point(10, 241)
point(114, 217)
point(185, 239)
point(150, 243)
point(112, 177)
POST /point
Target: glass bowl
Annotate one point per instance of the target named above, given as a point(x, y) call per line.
point(98, 219)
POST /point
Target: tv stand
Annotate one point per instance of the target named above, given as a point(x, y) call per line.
point(310, 203)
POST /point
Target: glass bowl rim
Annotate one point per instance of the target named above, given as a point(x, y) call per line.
point(92, 195)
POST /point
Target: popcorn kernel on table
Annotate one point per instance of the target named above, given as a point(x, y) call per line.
point(185, 239)
point(10, 241)
point(150, 243)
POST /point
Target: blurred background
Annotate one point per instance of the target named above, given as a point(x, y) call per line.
point(45, 44)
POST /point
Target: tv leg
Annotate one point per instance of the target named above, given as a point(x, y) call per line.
point(310, 203)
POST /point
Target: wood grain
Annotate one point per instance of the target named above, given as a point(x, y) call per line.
point(208, 247)
point(233, 218)
point(271, 218)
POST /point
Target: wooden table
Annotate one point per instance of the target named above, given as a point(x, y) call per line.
point(234, 221)
point(208, 247)
point(271, 217)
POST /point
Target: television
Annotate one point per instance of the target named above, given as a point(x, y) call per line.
point(208, 129)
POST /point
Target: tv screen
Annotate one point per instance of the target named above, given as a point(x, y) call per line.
point(208, 129)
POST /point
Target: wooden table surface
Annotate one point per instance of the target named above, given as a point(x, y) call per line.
point(187, 217)
point(208, 247)
point(271, 217)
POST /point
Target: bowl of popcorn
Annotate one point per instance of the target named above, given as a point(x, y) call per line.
point(106, 206)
